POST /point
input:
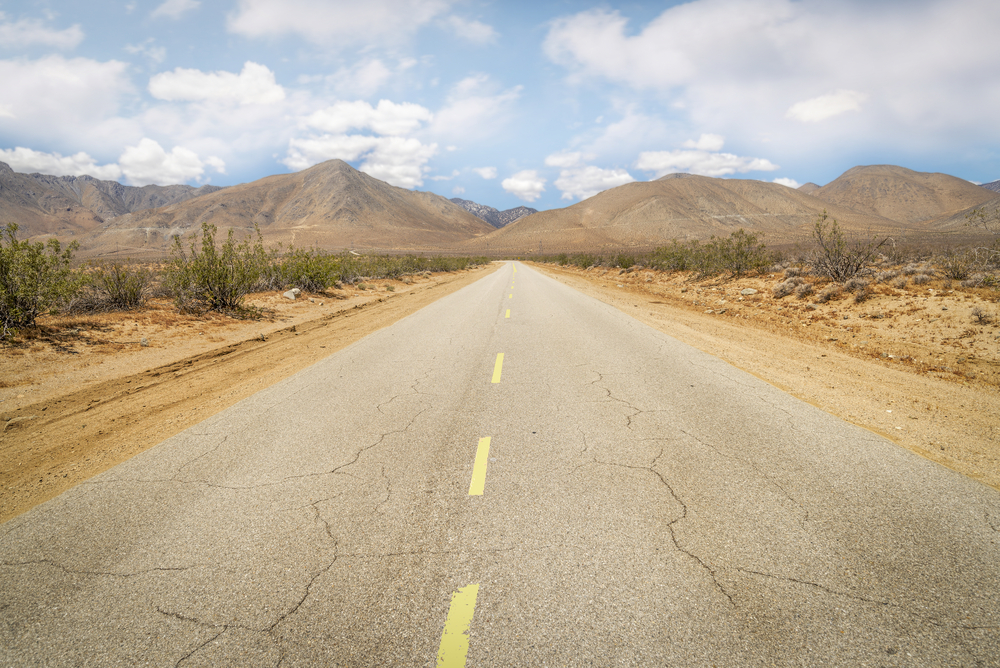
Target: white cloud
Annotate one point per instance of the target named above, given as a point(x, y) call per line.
point(147, 163)
point(705, 163)
point(32, 32)
point(747, 67)
point(388, 118)
point(396, 160)
point(458, 190)
point(61, 98)
point(526, 185)
point(791, 183)
point(706, 142)
point(28, 161)
point(255, 84)
point(588, 180)
point(475, 108)
point(471, 30)
point(486, 172)
point(174, 9)
point(826, 106)
point(566, 159)
point(336, 24)
point(149, 49)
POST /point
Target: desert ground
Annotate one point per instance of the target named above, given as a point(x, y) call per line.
point(912, 363)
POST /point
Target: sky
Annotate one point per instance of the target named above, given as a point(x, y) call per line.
point(505, 103)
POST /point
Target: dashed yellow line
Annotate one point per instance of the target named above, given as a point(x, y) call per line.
point(508, 314)
point(478, 483)
point(497, 368)
point(510, 296)
point(455, 637)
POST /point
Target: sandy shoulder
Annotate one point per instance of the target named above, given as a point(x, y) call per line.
point(919, 397)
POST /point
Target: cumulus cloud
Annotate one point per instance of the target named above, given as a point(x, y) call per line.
point(149, 49)
point(396, 160)
point(471, 30)
point(486, 172)
point(703, 161)
point(526, 185)
point(33, 32)
point(826, 106)
point(255, 84)
point(578, 180)
point(28, 161)
point(174, 9)
point(148, 163)
point(791, 183)
point(750, 66)
point(336, 24)
point(474, 108)
point(388, 118)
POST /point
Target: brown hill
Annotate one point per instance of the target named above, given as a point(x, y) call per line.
point(330, 205)
point(808, 188)
point(677, 206)
point(67, 206)
point(902, 194)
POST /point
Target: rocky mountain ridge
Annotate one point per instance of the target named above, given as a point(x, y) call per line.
point(493, 216)
point(992, 185)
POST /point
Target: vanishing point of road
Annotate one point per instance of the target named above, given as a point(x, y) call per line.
point(516, 475)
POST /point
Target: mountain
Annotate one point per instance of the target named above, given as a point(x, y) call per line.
point(330, 205)
point(808, 188)
point(494, 217)
point(992, 185)
point(902, 194)
point(676, 206)
point(70, 205)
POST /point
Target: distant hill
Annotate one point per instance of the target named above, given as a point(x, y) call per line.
point(902, 194)
point(677, 206)
point(70, 205)
point(494, 217)
point(808, 188)
point(992, 185)
point(330, 205)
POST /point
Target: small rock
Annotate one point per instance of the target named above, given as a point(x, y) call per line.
point(312, 300)
point(944, 308)
point(748, 291)
point(321, 303)
point(144, 343)
point(620, 285)
point(291, 294)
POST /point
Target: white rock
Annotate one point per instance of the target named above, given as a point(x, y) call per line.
point(291, 294)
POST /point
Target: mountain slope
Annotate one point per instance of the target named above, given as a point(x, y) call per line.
point(902, 194)
point(677, 206)
point(330, 205)
point(992, 185)
point(494, 217)
point(66, 206)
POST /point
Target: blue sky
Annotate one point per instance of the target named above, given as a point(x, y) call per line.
point(540, 103)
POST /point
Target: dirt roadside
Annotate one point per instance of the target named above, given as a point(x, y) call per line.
point(903, 364)
point(78, 402)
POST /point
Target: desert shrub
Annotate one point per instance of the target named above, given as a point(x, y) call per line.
point(885, 276)
point(804, 290)
point(217, 279)
point(791, 272)
point(675, 256)
point(839, 259)
point(900, 283)
point(624, 261)
point(921, 279)
point(787, 287)
point(856, 284)
point(34, 278)
point(829, 292)
point(982, 316)
point(862, 294)
point(740, 253)
point(956, 265)
point(584, 260)
point(562, 259)
point(310, 270)
point(120, 287)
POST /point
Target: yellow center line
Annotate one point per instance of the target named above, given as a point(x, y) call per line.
point(479, 468)
point(497, 368)
point(510, 296)
point(508, 314)
point(455, 637)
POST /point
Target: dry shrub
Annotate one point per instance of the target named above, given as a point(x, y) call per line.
point(787, 287)
point(982, 316)
point(804, 290)
point(921, 279)
point(900, 283)
point(856, 284)
point(829, 292)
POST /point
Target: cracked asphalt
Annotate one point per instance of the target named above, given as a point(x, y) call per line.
point(644, 504)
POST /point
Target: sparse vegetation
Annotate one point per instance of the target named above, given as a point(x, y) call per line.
point(836, 257)
point(984, 219)
point(981, 315)
point(34, 278)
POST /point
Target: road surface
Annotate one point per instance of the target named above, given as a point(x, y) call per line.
point(515, 475)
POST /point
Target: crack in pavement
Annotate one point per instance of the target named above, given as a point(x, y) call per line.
point(671, 523)
point(628, 418)
point(71, 571)
point(357, 455)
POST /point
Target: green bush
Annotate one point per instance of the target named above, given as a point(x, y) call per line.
point(34, 278)
point(122, 288)
point(310, 270)
point(217, 279)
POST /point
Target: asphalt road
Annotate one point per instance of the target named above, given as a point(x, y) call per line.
point(642, 503)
